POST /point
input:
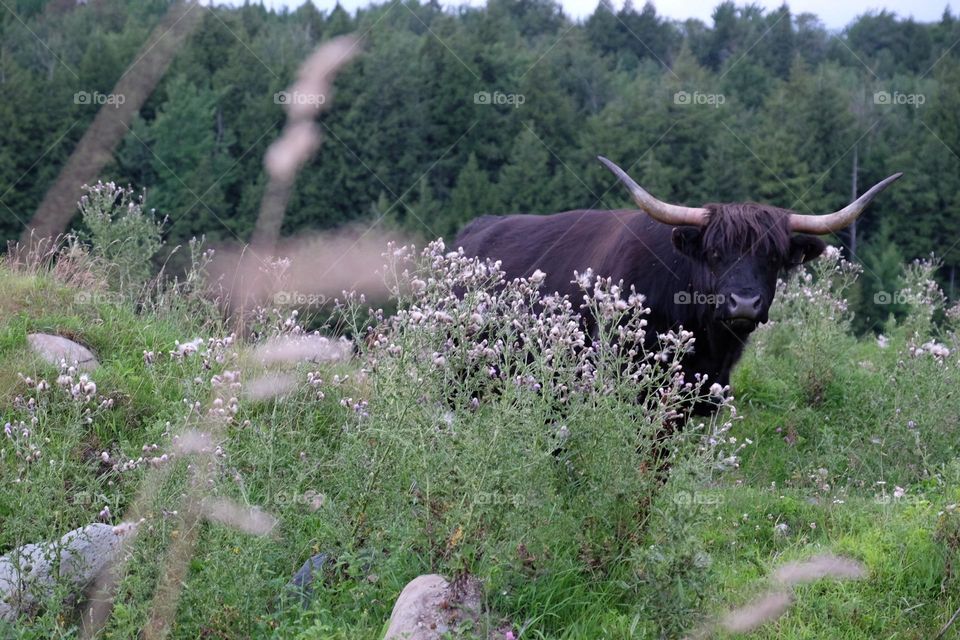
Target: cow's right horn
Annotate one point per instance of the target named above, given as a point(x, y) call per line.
point(838, 220)
point(663, 211)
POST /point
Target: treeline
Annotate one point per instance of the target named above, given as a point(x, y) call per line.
point(449, 115)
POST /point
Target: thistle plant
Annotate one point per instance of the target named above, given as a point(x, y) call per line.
point(123, 235)
point(906, 423)
point(509, 433)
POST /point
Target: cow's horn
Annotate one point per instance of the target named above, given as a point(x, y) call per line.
point(657, 209)
point(837, 220)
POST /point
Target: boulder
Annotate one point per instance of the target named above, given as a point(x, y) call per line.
point(56, 349)
point(29, 573)
point(429, 607)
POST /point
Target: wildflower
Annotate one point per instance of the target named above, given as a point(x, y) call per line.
point(899, 492)
point(187, 348)
point(937, 350)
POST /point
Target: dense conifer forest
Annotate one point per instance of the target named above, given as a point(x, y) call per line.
point(452, 113)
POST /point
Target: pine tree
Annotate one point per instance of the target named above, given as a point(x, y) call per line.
point(473, 196)
point(521, 186)
point(187, 162)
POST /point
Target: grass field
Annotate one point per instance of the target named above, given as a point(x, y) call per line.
point(846, 445)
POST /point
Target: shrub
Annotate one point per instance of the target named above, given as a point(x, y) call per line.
point(490, 436)
point(122, 234)
point(858, 411)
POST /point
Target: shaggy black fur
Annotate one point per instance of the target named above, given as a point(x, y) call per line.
point(684, 272)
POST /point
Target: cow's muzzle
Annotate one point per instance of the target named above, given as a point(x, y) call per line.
point(743, 312)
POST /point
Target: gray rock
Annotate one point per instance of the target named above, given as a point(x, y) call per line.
point(54, 349)
point(429, 607)
point(29, 573)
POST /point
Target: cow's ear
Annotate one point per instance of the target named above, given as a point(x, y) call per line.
point(804, 248)
point(686, 240)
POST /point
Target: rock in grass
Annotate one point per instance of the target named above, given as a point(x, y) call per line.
point(301, 585)
point(55, 349)
point(29, 573)
point(429, 607)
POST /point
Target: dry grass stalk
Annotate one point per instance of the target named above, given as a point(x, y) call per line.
point(300, 138)
point(284, 159)
point(321, 266)
point(113, 121)
point(817, 567)
point(757, 612)
point(62, 257)
point(773, 604)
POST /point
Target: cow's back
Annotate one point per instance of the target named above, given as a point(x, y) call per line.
point(620, 244)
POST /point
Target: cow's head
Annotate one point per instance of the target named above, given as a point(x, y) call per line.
point(740, 249)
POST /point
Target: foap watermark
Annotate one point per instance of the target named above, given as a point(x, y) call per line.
point(502, 499)
point(98, 297)
point(900, 499)
point(310, 499)
point(295, 97)
point(700, 99)
point(299, 299)
point(884, 298)
point(499, 98)
point(686, 498)
point(99, 99)
point(915, 100)
point(698, 297)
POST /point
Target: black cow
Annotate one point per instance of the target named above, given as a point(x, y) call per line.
point(712, 270)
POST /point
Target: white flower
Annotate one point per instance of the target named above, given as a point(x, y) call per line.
point(187, 348)
point(936, 349)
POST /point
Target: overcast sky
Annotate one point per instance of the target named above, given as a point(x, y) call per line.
point(834, 13)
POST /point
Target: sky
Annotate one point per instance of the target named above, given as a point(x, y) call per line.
point(835, 14)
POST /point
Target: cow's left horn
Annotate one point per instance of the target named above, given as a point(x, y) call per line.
point(821, 225)
point(657, 209)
